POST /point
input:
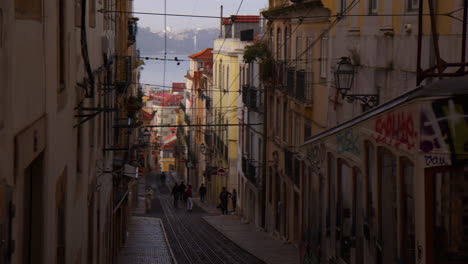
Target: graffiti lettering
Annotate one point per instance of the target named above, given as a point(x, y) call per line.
point(435, 160)
point(396, 129)
point(316, 156)
point(347, 141)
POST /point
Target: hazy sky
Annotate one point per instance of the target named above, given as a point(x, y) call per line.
point(197, 7)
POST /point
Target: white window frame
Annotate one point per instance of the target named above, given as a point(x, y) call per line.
point(373, 6)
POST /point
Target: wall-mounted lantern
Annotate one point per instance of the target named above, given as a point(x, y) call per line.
point(344, 78)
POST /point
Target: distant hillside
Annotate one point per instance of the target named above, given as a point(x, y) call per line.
point(181, 43)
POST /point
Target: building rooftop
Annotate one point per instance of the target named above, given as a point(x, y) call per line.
point(241, 19)
point(205, 54)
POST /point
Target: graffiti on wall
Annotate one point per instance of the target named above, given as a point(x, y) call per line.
point(396, 129)
point(347, 141)
point(452, 118)
point(435, 160)
point(431, 138)
point(316, 155)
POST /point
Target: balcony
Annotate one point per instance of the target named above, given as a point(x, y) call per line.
point(132, 31)
point(249, 170)
point(124, 78)
point(250, 96)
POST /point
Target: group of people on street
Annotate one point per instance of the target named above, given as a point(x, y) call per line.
point(181, 192)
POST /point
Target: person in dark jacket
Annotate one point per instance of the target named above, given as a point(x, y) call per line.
point(224, 197)
point(181, 190)
point(202, 192)
point(175, 194)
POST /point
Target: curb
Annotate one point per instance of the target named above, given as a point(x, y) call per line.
point(167, 242)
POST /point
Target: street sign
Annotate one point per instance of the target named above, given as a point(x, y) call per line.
point(221, 172)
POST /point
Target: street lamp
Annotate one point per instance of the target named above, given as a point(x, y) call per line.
point(146, 136)
point(344, 78)
point(344, 75)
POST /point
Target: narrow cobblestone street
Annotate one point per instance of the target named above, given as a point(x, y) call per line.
point(191, 238)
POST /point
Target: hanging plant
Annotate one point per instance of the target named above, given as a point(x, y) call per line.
point(260, 53)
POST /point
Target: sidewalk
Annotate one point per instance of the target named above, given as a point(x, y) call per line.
point(146, 243)
point(248, 237)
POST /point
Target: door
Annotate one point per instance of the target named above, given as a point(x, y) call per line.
point(446, 215)
point(33, 212)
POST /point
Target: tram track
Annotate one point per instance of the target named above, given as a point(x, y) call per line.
point(192, 239)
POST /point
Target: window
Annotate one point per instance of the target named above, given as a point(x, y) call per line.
point(92, 13)
point(331, 163)
point(345, 210)
point(298, 47)
point(272, 39)
point(228, 81)
point(388, 209)
point(270, 184)
point(309, 69)
point(278, 44)
point(413, 5)
point(297, 134)
point(324, 57)
point(285, 122)
point(307, 130)
point(278, 118)
point(28, 9)
point(62, 47)
point(373, 7)
point(343, 6)
point(286, 43)
point(372, 225)
point(408, 244)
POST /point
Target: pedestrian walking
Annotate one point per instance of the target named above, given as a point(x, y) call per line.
point(234, 200)
point(148, 198)
point(175, 194)
point(202, 192)
point(188, 194)
point(224, 197)
point(182, 190)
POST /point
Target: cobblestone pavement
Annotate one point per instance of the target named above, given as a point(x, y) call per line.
point(146, 243)
point(191, 238)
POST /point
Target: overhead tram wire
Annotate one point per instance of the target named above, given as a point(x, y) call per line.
point(448, 14)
